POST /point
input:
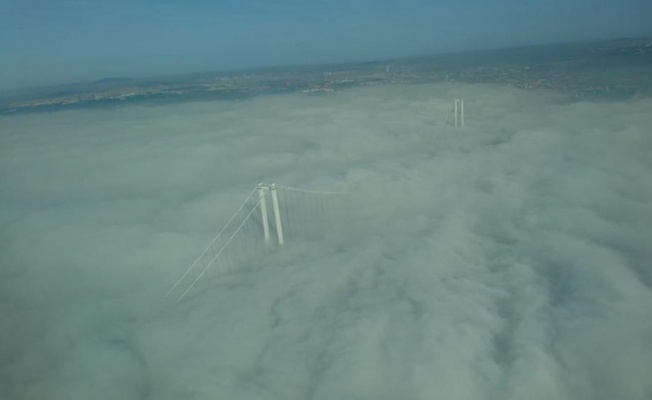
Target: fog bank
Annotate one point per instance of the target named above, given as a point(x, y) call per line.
point(506, 260)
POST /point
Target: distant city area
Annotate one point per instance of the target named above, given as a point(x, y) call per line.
point(588, 71)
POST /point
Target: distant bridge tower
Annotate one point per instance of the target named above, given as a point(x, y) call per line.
point(459, 113)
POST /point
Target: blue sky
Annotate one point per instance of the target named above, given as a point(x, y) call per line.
point(58, 41)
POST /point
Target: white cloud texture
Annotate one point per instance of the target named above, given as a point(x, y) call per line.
point(508, 260)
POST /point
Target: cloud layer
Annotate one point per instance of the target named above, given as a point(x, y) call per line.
point(507, 260)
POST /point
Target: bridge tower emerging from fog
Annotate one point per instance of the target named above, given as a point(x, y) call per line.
point(253, 230)
point(459, 113)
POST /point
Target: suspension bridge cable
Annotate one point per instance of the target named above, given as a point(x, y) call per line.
point(211, 244)
point(221, 250)
point(308, 191)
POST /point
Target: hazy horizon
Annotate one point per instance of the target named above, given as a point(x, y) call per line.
point(470, 51)
point(48, 43)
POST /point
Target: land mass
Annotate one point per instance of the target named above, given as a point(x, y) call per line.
point(617, 68)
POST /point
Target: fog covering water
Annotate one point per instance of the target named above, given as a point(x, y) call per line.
point(506, 260)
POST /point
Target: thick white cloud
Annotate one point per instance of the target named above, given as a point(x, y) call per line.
point(507, 260)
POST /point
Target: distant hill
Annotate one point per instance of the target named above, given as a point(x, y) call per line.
point(113, 81)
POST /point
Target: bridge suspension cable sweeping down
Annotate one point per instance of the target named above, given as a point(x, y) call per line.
point(251, 231)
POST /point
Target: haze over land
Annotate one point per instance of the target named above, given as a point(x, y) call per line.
point(47, 42)
point(506, 260)
point(605, 69)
